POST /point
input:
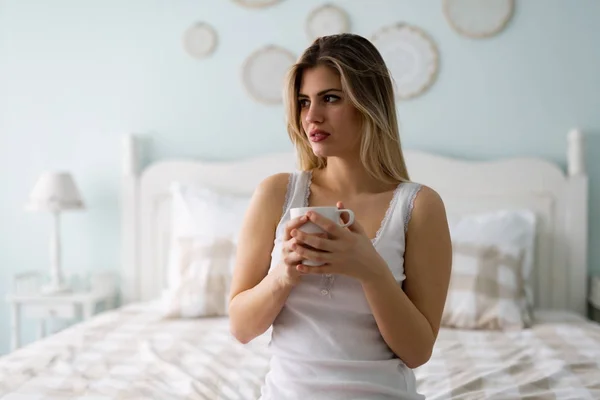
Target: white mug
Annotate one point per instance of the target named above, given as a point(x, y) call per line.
point(332, 213)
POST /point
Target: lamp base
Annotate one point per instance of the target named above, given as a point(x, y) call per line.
point(54, 288)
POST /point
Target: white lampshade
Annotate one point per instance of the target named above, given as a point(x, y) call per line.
point(55, 191)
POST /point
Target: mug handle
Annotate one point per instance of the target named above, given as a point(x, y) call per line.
point(350, 216)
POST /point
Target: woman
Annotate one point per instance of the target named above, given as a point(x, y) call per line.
point(355, 327)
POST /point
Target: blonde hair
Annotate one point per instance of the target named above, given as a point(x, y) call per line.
point(367, 81)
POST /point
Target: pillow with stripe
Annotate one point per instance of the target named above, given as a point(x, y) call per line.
point(486, 288)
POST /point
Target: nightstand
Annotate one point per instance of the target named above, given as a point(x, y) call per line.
point(26, 300)
point(594, 299)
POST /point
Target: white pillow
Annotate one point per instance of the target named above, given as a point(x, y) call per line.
point(204, 279)
point(503, 229)
point(204, 212)
point(202, 222)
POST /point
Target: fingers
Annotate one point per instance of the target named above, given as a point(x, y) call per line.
point(326, 224)
point(320, 270)
point(293, 224)
point(317, 241)
point(292, 259)
point(288, 253)
point(289, 245)
point(295, 250)
point(312, 255)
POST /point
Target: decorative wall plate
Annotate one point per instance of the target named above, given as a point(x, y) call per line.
point(263, 73)
point(325, 20)
point(256, 3)
point(410, 55)
point(199, 40)
point(478, 18)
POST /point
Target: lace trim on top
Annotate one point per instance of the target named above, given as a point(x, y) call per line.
point(288, 193)
point(307, 188)
point(388, 213)
point(411, 203)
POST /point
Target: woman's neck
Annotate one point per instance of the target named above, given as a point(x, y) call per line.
point(349, 177)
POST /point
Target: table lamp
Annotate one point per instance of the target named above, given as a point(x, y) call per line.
point(55, 192)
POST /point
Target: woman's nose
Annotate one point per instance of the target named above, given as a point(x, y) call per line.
point(314, 114)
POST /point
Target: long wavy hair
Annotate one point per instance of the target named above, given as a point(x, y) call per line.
point(367, 82)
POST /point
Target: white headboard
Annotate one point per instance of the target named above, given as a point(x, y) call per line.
point(560, 200)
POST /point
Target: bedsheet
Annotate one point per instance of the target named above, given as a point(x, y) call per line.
point(551, 360)
point(133, 353)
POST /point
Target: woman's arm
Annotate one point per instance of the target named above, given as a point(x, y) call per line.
point(256, 297)
point(409, 317)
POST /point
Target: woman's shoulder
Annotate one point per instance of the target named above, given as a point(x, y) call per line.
point(273, 188)
point(425, 196)
point(269, 198)
point(275, 183)
point(426, 205)
point(280, 191)
point(421, 195)
point(280, 183)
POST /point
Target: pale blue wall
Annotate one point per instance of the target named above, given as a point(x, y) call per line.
point(75, 75)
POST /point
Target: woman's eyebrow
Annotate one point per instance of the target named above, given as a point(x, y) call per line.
point(322, 92)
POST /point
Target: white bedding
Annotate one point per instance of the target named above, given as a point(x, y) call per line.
point(133, 353)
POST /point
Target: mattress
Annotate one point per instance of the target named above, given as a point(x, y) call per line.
point(133, 353)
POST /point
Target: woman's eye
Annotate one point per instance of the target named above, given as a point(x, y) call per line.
point(331, 98)
point(303, 103)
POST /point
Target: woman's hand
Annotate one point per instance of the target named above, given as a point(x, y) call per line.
point(347, 251)
point(287, 271)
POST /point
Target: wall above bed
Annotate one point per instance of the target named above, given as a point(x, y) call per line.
point(91, 72)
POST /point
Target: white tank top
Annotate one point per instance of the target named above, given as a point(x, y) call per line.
point(325, 343)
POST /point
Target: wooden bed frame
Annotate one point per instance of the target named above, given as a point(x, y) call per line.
point(559, 198)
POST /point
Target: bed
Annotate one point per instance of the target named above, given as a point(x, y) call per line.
point(139, 351)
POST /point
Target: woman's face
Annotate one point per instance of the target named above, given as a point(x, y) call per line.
point(331, 122)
